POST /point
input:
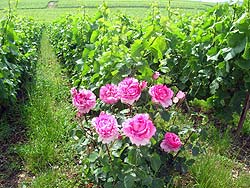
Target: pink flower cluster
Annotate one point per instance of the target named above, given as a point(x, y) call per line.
point(128, 91)
point(139, 128)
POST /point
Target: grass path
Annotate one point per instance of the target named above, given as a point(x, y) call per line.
point(47, 154)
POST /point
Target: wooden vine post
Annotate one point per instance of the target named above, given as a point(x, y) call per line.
point(244, 113)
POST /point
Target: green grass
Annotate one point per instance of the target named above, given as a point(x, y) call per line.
point(49, 151)
point(213, 171)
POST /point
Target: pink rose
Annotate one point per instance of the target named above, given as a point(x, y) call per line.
point(156, 75)
point(171, 142)
point(180, 96)
point(84, 100)
point(107, 127)
point(109, 94)
point(129, 90)
point(161, 94)
point(139, 129)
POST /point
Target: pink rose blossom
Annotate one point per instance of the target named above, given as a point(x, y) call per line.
point(171, 142)
point(156, 75)
point(139, 129)
point(180, 96)
point(84, 100)
point(109, 94)
point(107, 127)
point(129, 90)
point(161, 94)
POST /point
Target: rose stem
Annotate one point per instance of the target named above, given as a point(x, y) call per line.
point(183, 145)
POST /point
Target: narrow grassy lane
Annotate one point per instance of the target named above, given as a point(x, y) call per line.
point(48, 153)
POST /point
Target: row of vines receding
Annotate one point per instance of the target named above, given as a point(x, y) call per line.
point(206, 56)
point(19, 44)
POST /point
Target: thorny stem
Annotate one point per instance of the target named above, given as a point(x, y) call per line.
point(110, 158)
point(87, 130)
point(86, 118)
point(183, 145)
point(130, 110)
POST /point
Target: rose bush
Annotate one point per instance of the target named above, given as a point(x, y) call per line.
point(130, 145)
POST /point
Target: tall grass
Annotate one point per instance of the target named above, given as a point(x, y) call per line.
point(216, 168)
point(48, 152)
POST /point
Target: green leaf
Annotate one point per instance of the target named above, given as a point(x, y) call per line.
point(86, 69)
point(85, 54)
point(195, 151)
point(94, 36)
point(155, 162)
point(165, 115)
point(132, 156)
point(93, 156)
point(129, 181)
point(244, 64)
point(157, 183)
point(136, 48)
point(90, 46)
point(149, 32)
point(246, 54)
point(158, 47)
point(113, 73)
point(214, 86)
point(108, 185)
point(147, 181)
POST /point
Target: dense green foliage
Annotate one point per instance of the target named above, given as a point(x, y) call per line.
point(207, 56)
point(19, 43)
point(195, 55)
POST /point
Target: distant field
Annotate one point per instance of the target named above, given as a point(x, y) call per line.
point(113, 3)
point(39, 10)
